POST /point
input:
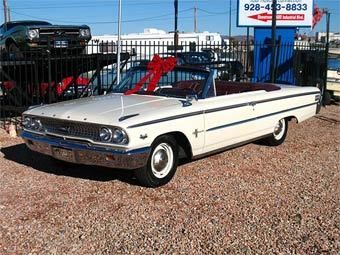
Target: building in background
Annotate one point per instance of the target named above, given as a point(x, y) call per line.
point(160, 39)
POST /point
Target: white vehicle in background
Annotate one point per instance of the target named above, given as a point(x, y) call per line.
point(159, 39)
point(333, 83)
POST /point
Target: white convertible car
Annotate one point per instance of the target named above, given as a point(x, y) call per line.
point(189, 114)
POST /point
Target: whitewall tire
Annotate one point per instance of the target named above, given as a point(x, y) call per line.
point(279, 134)
point(162, 163)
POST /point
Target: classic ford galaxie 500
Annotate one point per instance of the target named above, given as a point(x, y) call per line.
point(160, 113)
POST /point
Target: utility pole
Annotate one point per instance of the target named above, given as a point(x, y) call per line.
point(273, 54)
point(9, 14)
point(176, 27)
point(119, 39)
point(5, 10)
point(195, 19)
point(229, 20)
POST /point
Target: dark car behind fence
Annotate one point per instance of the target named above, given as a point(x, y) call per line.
point(52, 74)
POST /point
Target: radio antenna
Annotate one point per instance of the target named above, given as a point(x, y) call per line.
point(122, 105)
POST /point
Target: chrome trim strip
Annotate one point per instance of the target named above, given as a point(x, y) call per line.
point(229, 147)
point(127, 117)
point(259, 102)
point(256, 118)
point(167, 119)
point(226, 108)
point(286, 97)
point(219, 109)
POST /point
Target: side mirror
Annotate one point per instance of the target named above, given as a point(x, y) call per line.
point(190, 98)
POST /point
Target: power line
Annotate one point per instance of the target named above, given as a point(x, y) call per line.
point(97, 4)
point(152, 18)
point(114, 22)
point(216, 13)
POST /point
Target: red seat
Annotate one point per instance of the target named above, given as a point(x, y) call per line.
point(194, 85)
point(227, 88)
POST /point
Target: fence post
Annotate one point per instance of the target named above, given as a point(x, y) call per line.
point(49, 69)
point(277, 58)
point(328, 17)
point(98, 71)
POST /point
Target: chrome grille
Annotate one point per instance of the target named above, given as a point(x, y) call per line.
point(58, 32)
point(70, 128)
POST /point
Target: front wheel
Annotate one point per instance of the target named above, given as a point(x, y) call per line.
point(161, 165)
point(279, 134)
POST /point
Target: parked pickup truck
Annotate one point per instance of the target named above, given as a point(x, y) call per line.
point(20, 38)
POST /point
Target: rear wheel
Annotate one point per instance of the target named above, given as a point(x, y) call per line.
point(279, 134)
point(161, 165)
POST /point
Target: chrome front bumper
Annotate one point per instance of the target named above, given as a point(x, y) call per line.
point(85, 153)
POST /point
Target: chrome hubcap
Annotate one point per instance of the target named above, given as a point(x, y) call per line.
point(162, 160)
point(279, 129)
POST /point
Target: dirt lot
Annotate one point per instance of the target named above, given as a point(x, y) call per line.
point(250, 200)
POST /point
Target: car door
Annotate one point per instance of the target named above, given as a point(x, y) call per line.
point(229, 120)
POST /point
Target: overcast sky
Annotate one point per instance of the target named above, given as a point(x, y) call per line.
point(101, 15)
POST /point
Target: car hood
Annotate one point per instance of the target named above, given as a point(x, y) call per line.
point(110, 109)
point(59, 26)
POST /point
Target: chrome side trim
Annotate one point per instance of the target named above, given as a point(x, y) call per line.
point(167, 119)
point(229, 147)
point(226, 108)
point(127, 117)
point(259, 117)
point(259, 102)
point(220, 109)
point(286, 97)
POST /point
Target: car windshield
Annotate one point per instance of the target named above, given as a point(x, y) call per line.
point(196, 58)
point(176, 83)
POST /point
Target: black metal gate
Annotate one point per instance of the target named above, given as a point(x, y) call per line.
point(48, 76)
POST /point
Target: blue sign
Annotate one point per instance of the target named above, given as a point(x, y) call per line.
point(284, 56)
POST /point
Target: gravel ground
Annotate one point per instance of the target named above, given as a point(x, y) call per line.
point(250, 200)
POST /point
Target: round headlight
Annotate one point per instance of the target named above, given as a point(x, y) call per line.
point(105, 134)
point(119, 136)
point(33, 33)
point(85, 32)
point(36, 124)
point(27, 122)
